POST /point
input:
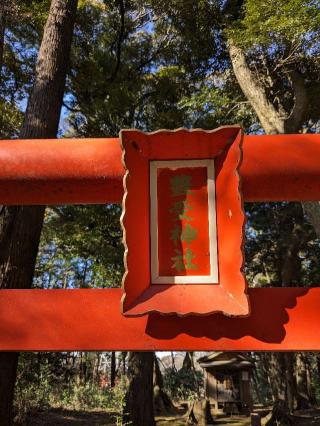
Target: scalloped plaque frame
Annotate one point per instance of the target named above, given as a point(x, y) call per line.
point(222, 286)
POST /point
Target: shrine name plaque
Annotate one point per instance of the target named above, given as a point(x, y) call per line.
point(183, 223)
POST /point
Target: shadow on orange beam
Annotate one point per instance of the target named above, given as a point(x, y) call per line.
point(56, 320)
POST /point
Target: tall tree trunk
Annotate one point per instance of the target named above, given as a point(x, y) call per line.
point(272, 120)
point(261, 375)
point(3, 12)
point(267, 114)
point(283, 388)
point(139, 398)
point(20, 227)
point(276, 370)
point(304, 392)
point(291, 385)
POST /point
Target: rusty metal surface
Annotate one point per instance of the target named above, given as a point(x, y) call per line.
point(69, 171)
point(55, 320)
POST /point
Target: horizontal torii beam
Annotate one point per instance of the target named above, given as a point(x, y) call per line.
point(90, 171)
point(58, 320)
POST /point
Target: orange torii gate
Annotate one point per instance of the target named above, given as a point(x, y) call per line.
point(90, 171)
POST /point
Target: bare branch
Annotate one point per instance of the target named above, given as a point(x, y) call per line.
point(298, 113)
point(69, 108)
point(120, 40)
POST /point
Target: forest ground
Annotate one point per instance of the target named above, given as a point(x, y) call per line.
point(63, 417)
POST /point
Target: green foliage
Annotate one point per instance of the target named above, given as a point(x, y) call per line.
point(288, 21)
point(35, 12)
point(81, 246)
point(165, 87)
point(218, 101)
point(24, 21)
point(182, 384)
point(32, 386)
point(63, 380)
point(88, 396)
point(116, 55)
point(191, 29)
point(10, 119)
point(280, 39)
point(275, 231)
point(133, 78)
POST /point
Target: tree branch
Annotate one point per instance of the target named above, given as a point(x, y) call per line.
point(298, 113)
point(69, 108)
point(120, 40)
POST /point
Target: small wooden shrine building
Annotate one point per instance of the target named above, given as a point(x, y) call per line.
point(227, 382)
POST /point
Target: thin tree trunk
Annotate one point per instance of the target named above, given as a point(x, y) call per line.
point(158, 379)
point(20, 227)
point(124, 356)
point(188, 364)
point(161, 402)
point(309, 374)
point(292, 242)
point(173, 364)
point(113, 370)
point(95, 369)
point(139, 398)
point(256, 387)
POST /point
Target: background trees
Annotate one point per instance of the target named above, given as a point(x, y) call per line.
point(156, 65)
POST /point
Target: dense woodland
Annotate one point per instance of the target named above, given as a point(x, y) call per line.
point(87, 68)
